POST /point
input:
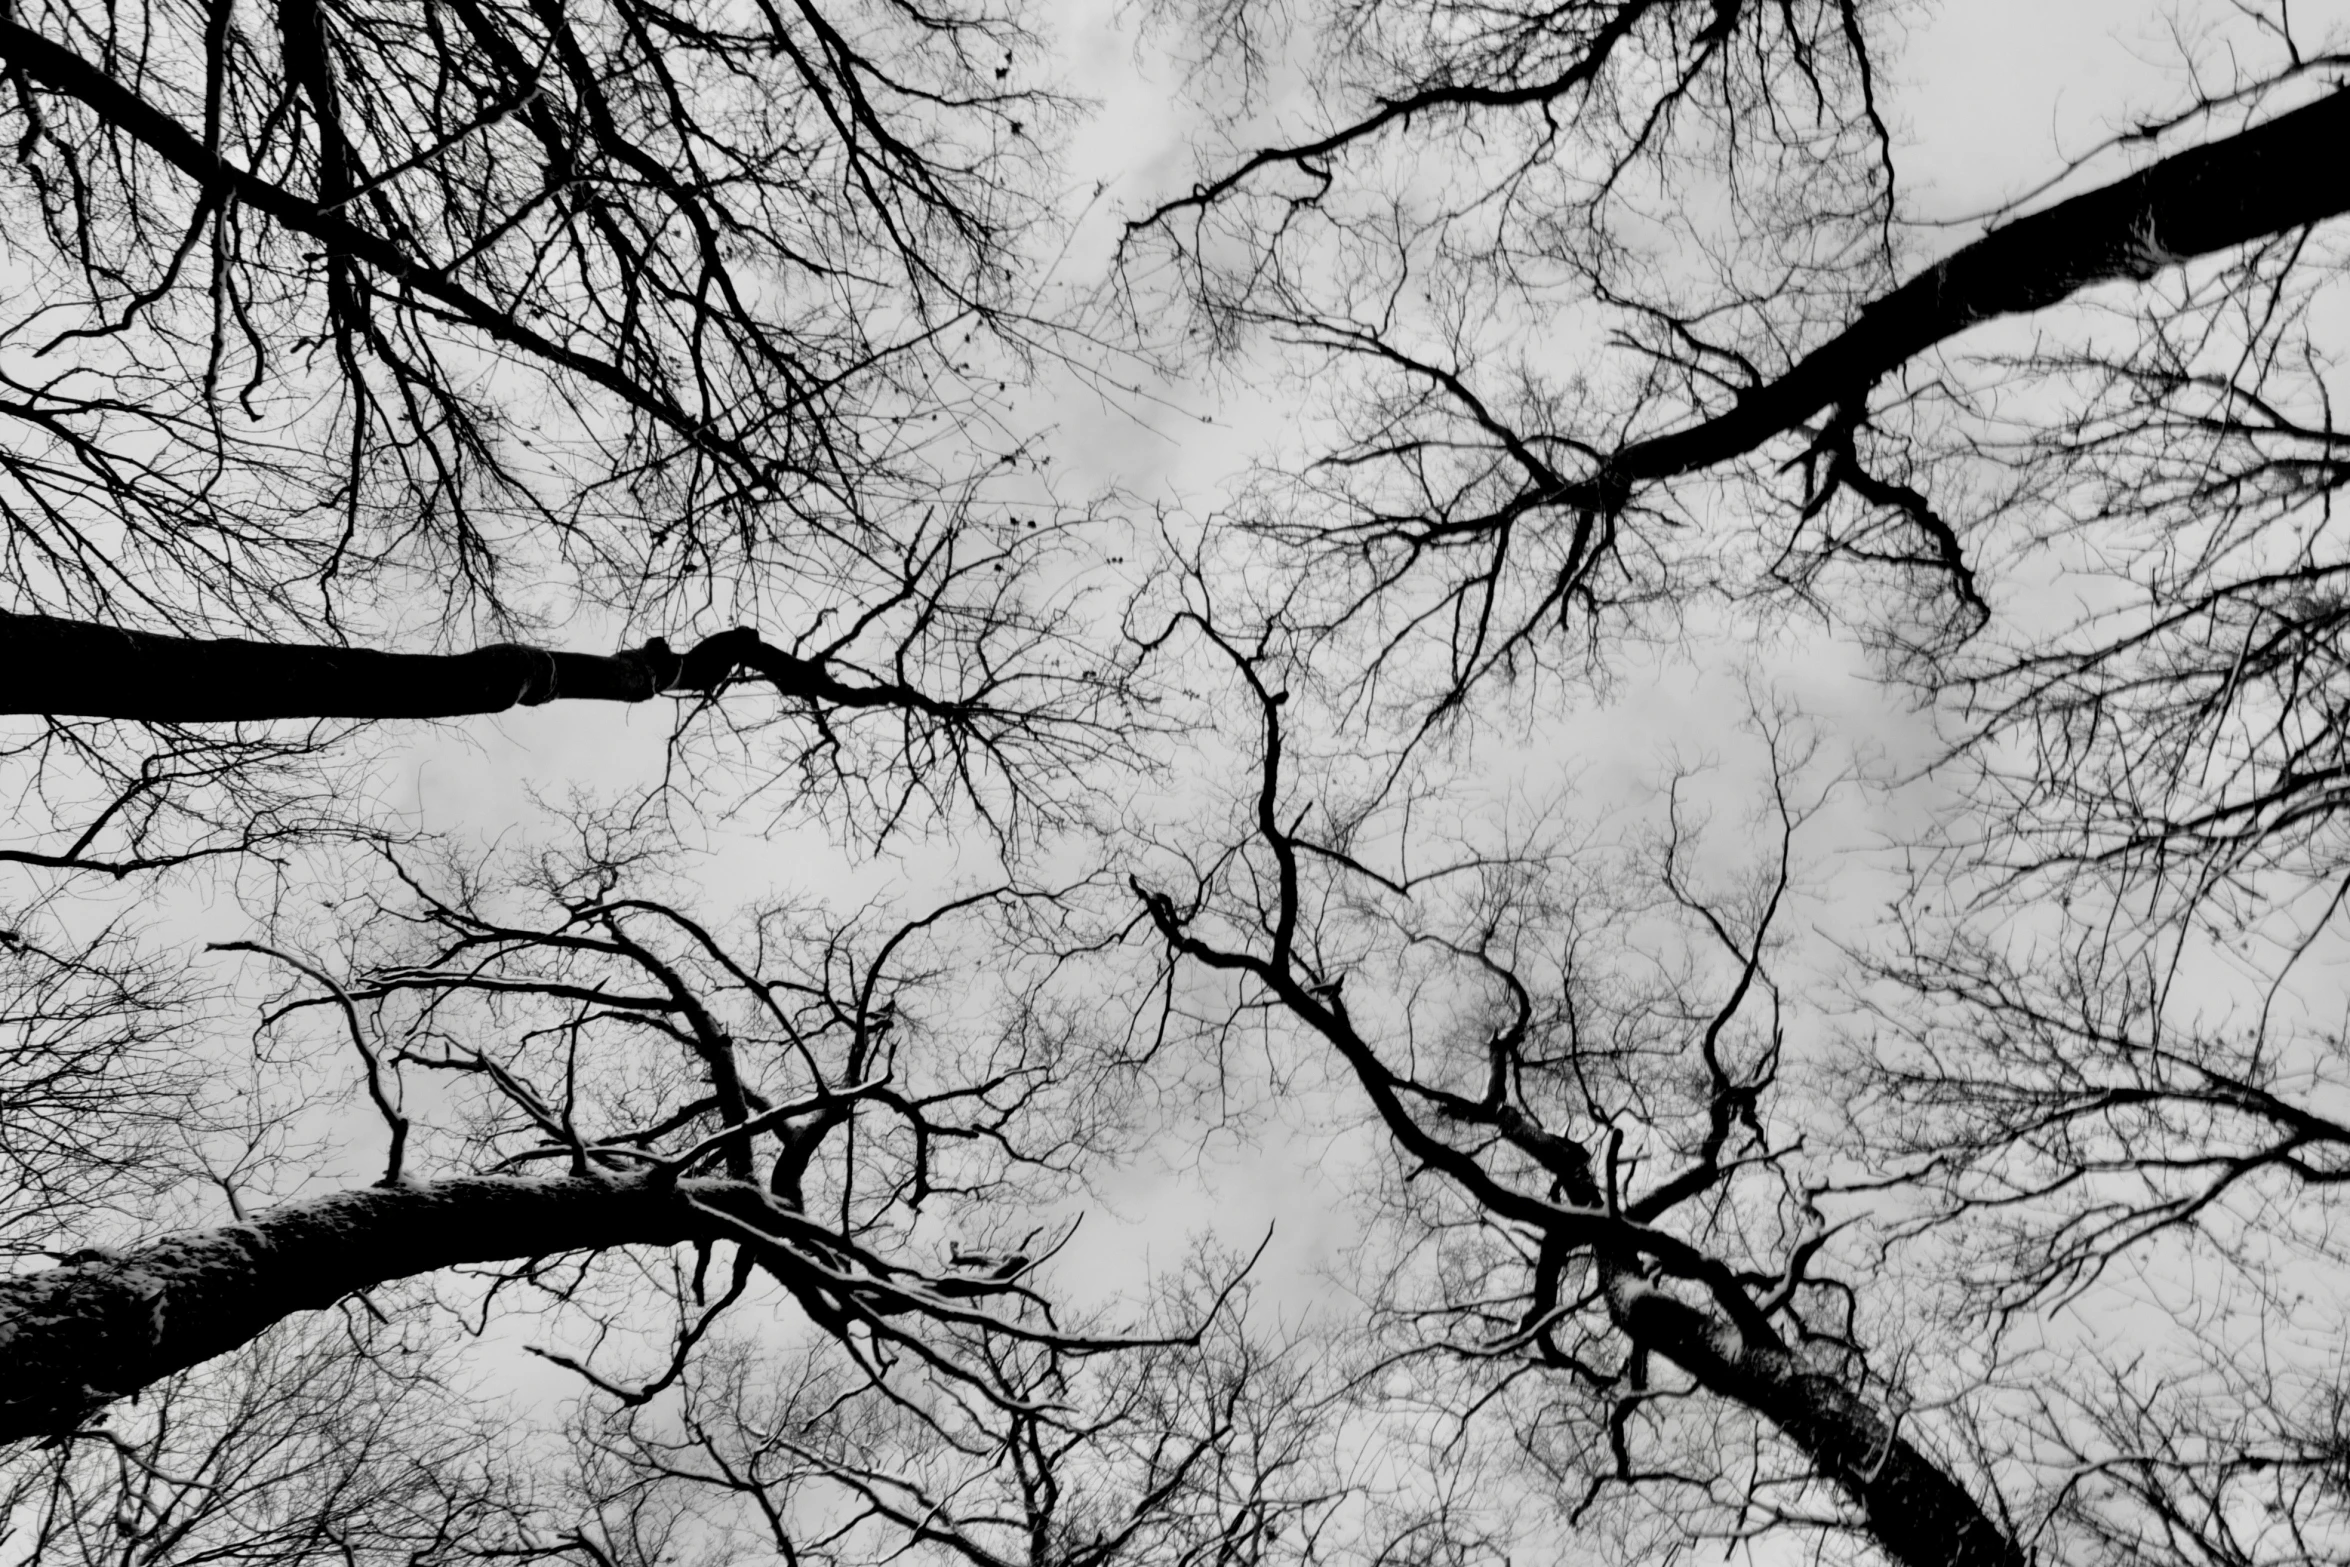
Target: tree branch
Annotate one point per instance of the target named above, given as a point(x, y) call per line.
point(61, 70)
point(2270, 179)
point(108, 1323)
point(72, 667)
point(1916, 1512)
point(78, 1336)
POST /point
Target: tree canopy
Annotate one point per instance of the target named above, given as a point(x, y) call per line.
point(1544, 642)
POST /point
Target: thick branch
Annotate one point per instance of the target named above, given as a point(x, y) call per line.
point(109, 1323)
point(2271, 179)
point(1911, 1507)
point(70, 667)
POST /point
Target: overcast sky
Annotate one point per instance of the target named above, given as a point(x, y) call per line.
point(1989, 96)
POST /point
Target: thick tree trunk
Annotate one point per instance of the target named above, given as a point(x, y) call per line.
point(72, 668)
point(69, 667)
point(1915, 1511)
point(104, 1325)
point(2276, 177)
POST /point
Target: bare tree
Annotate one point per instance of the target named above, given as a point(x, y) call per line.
point(1475, 497)
point(946, 682)
point(296, 1449)
point(92, 1102)
point(717, 263)
point(2087, 1119)
point(1185, 1453)
point(684, 319)
point(1597, 1215)
point(596, 1109)
point(367, 331)
point(1668, 328)
point(622, 1069)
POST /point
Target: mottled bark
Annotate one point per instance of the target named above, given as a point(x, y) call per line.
point(1911, 1507)
point(105, 1324)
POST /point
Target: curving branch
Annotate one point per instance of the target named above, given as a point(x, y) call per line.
point(107, 1323)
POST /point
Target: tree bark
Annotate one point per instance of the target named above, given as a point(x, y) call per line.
point(1918, 1513)
point(1910, 1506)
point(105, 1324)
point(69, 667)
point(2276, 177)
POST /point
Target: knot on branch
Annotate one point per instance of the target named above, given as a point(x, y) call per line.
point(535, 678)
point(716, 659)
point(708, 664)
point(649, 670)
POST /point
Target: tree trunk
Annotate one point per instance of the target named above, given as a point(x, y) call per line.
point(69, 667)
point(2271, 179)
point(105, 1324)
point(1916, 1512)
